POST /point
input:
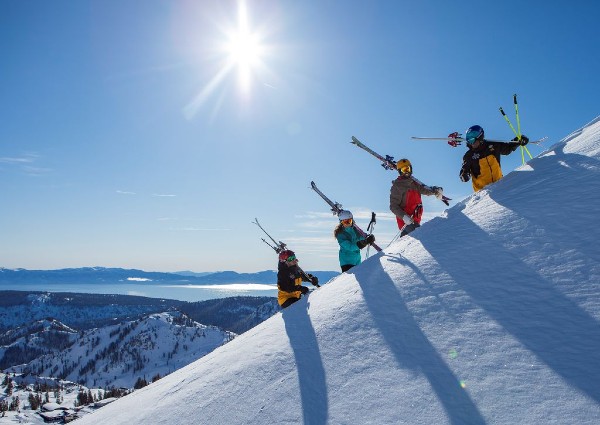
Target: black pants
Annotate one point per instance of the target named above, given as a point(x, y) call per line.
point(347, 267)
point(409, 228)
point(289, 302)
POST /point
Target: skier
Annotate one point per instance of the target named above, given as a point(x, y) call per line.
point(482, 161)
point(290, 278)
point(405, 198)
point(351, 242)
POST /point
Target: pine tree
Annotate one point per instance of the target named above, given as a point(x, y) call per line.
point(140, 383)
point(14, 404)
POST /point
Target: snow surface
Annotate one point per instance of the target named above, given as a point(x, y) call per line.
point(486, 315)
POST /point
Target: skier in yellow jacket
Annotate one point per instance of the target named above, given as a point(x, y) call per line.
point(481, 162)
point(290, 278)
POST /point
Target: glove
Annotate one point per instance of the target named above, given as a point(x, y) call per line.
point(407, 219)
point(524, 140)
point(304, 290)
point(370, 239)
point(313, 279)
point(465, 175)
point(438, 191)
point(361, 244)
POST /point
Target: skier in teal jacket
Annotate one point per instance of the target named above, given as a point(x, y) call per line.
point(351, 242)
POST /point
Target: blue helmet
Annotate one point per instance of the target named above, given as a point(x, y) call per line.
point(474, 133)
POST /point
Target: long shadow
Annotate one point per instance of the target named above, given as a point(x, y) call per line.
point(410, 345)
point(428, 288)
point(311, 372)
point(550, 325)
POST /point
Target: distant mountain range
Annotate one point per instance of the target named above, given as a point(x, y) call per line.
point(85, 311)
point(91, 275)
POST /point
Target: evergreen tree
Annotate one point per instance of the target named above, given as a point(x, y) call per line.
point(14, 404)
point(140, 383)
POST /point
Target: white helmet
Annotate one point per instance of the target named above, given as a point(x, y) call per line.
point(345, 215)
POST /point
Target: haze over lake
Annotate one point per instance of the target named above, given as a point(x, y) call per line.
point(175, 292)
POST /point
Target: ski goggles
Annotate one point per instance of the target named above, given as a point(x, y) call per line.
point(407, 169)
point(291, 259)
point(472, 137)
point(347, 221)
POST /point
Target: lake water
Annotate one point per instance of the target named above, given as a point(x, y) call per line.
point(173, 292)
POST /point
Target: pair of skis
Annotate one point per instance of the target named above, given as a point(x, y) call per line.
point(280, 246)
point(336, 208)
point(388, 163)
point(455, 139)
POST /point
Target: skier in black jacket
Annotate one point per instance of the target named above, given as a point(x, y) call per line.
point(290, 278)
point(482, 161)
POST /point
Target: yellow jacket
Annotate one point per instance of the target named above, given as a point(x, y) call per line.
point(289, 282)
point(483, 164)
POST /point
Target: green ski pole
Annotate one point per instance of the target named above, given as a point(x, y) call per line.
point(517, 114)
point(523, 148)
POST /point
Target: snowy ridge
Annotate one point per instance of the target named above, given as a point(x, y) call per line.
point(29, 341)
point(118, 355)
point(488, 315)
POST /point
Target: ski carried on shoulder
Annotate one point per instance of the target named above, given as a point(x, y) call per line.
point(336, 208)
point(455, 141)
point(388, 163)
point(278, 247)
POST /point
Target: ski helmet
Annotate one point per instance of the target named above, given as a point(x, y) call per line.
point(404, 167)
point(285, 254)
point(473, 134)
point(345, 215)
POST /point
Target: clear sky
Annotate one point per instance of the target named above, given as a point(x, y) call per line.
point(136, 134)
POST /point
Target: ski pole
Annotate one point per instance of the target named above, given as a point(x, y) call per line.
point(517, 115)
point(516, 134)
point(523, 148)
point(509, 123)
point(370, 229)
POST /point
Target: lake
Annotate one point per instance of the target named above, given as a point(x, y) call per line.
point(174, 292)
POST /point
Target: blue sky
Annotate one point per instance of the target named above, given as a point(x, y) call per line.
point(128, 141)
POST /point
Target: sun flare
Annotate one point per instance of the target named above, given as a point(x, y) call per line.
point(244, 48)
point(242, 51)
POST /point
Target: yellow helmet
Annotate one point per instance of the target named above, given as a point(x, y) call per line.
point(404, 167)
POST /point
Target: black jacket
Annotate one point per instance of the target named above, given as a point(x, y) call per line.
point(483, 163)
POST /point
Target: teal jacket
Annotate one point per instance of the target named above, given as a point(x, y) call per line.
point(349, 251)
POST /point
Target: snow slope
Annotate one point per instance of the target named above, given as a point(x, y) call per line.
point(487, 315)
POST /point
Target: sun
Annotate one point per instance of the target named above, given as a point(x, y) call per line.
point(241, 49)
point(244, 49)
